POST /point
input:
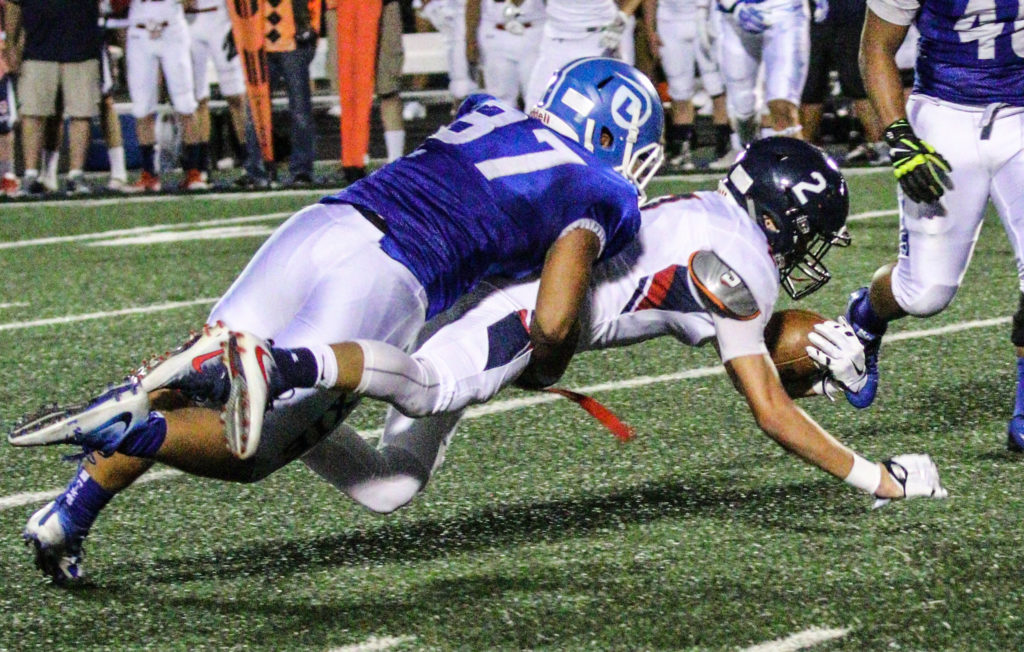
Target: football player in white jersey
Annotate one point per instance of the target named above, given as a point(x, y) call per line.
point(502, 37)
point(956, 144)
point(449, 18)
point(212, 40)
point(677, 24)
point(158, 41)
point(705, 267)
point(773, 35)
point(578, 28)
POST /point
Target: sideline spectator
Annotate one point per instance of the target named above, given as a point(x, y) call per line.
point(61, 57)
point(292, 28)
point(834, 45)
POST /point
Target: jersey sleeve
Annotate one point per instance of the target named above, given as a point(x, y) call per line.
point(471, 103)
point(618, 217)
point(897, 12)
point(737, 338)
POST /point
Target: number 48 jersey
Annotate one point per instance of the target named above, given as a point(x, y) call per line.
point(487, 196)
point(970, 51)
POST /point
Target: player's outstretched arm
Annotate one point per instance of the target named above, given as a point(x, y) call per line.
point(564, 281)
point(780, 418)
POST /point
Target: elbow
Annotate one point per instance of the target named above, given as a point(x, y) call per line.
point(774, 420)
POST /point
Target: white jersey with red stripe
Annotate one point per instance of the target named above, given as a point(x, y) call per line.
point(648, 291)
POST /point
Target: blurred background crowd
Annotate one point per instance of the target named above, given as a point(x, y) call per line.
point(133, 96)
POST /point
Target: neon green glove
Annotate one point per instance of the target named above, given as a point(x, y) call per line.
point(921, 171)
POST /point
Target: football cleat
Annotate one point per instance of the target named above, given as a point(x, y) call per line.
point(58, 552)
point(254, 384)
point(99, 425)
point(148, 182)
point(194, 368)
point(872, 343)
point(1015, 434)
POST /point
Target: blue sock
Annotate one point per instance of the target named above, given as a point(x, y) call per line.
point(298, 367)
point(1018, 406)
point(147, 439)
point(148, 158)
point(864, 316)
point(83, 500)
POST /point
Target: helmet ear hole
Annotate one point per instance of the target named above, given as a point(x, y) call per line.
point(607, 139)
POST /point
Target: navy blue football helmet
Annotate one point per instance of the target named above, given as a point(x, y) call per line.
point(797, 195)
point(611, 109)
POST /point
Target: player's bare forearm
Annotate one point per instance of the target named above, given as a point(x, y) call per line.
point(879, 43)
point(782, 420)
point(564, 282)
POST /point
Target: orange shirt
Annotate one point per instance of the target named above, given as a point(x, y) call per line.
point(279, 23)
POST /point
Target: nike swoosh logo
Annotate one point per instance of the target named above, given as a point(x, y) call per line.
point(261, 354)
point(197, 362)
point(856, 368)
point(118, 425)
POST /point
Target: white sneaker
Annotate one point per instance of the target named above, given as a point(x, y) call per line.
point(413, 110)
point(117, 184)
point(97, 425)
point(252, 372)
point(184, 367)
point(58, 554)
point(726, 160)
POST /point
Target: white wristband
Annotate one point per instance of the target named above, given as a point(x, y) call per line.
point(865, 475)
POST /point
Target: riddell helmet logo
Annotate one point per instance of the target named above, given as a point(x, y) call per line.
point(628, 107)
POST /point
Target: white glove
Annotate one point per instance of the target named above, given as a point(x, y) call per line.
point(611, 34)
point(820, 10)
point(751, 17)
point(918, 476)
point(837, 350)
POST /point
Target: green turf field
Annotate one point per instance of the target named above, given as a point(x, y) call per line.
point(542, 531)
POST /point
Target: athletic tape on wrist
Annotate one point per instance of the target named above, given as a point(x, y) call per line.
point(865, 475)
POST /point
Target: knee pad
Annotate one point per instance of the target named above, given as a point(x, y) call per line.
point(931, 300)
point(1017, 334)
point(398, 483)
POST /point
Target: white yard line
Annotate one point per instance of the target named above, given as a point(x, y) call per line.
point(20, 500)
point(373, 644)
point(140, 230)
point(164, 237)
point(15, 304)
point(149, 199)
point(70, 319)
point(498, 407)
point(800, 640)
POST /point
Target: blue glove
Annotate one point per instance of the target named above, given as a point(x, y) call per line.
point(751, 18)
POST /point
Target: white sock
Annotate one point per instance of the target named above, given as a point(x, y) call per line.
point(395, 143)
point(327, 365)
point(74, 174)
point(50, 162)
point(31, 174)
point(390, 374)
point(117, 165)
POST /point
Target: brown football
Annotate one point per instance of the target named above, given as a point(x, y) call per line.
point(786, 338)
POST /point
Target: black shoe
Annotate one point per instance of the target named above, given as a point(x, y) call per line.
point(353, 174)
point(247, 182)
point(301, 180)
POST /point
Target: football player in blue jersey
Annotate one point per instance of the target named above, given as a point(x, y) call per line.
point(955, 144)
point(495, 193)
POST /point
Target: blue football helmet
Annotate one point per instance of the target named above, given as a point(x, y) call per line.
point(797, 195)
point(611, 109)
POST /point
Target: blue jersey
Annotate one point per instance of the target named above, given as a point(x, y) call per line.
point(971, 51)
point(487, 196)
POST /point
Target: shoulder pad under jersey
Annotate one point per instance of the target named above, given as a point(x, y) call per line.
point(720, 289)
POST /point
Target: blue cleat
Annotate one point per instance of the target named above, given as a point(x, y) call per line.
point(58, 550)
point(98, 425)
point(872, 343)
point(1015, 434)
